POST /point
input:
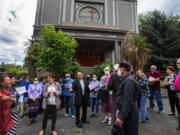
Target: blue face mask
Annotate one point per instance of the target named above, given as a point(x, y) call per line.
point(67, 79)
point(94, 79)
point(36, 82)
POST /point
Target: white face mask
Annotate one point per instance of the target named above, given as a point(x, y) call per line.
point(119, 72)
point(106, 72)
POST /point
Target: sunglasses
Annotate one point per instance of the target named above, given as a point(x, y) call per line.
point(178, 63)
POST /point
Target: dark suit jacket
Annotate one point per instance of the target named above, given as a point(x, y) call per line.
point(78, 93)
point(114, 83)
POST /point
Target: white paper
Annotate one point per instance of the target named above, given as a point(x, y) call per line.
point(21, 90)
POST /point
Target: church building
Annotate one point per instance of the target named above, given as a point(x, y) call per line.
point(99, 26)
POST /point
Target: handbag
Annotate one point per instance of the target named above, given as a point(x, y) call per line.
point(103, 95)
point(117, 130)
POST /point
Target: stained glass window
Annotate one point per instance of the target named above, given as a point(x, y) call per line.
point(89, 15)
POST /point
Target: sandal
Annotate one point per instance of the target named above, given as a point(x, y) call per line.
point(105, 120)
point(54, 133)
point(41, 132)
point(109, 122)
point(29, 122)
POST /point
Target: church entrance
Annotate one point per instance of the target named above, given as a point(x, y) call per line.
point(93, 52)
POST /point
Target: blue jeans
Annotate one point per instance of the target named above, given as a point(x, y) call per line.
point(71, 98)
point(93, 102)
point(144, 112)
point(158, 96)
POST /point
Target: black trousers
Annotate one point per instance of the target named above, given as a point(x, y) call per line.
point(50, 109)
point(84, 112)
point(174, 101)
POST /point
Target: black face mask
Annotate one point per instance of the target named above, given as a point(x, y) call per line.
point(88, 78)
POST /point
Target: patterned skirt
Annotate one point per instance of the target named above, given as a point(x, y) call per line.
point(33, 108)
point(15, 119)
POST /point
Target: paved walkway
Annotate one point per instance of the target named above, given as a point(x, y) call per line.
point(159, 124)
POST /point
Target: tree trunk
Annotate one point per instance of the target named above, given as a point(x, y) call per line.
point(31, 68)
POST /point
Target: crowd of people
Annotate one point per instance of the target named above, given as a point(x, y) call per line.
point(123, 98)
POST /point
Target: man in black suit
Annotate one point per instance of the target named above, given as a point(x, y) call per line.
point(81, 90)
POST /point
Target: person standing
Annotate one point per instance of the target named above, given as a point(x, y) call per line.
point(14, 106)
point(94, 87)
point(113, 85)
point(107, 107)
point(177, 86)
point(169, 83)
point(51, 103)
point(127, 115)
point(23, 100)
point(7, 126)
point(81, 89)
point(154, 80)
point(34, 94)
point(68, 94)
point(143, 88)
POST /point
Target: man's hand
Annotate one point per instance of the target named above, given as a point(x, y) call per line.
point(119, 122)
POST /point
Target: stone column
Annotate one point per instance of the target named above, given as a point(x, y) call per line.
point(117, 51)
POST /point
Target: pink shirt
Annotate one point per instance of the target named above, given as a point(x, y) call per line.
point(177, 82)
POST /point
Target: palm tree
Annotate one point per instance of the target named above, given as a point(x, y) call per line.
point(135, 51)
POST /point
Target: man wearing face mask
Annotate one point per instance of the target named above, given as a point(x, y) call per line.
point(127, 115)
point(113, 85)
point(34, 94)
point(68, 94)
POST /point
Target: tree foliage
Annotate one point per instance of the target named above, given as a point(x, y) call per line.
point(163, 37)
point(135, 51)
point(54, 51)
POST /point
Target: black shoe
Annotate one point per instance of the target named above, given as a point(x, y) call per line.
point(178, 129)
point(171, 114)
point(92, 115)
point(79, 125)
point(142, 122)
point(86, 122)
point(147, 118)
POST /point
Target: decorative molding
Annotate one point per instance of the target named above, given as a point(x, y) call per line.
point(98, 7)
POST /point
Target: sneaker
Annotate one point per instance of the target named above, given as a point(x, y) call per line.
point(72, 116)
point(66, 115)
point(92, 115)
point(160, 112)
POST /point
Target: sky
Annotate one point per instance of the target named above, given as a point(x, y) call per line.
point(17, 18)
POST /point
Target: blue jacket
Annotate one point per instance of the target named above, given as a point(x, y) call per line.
point(27, 87)
point(67, 83)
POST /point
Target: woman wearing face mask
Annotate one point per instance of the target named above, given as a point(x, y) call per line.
point(94, 87)
point(107, 106)
point(34, 93)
